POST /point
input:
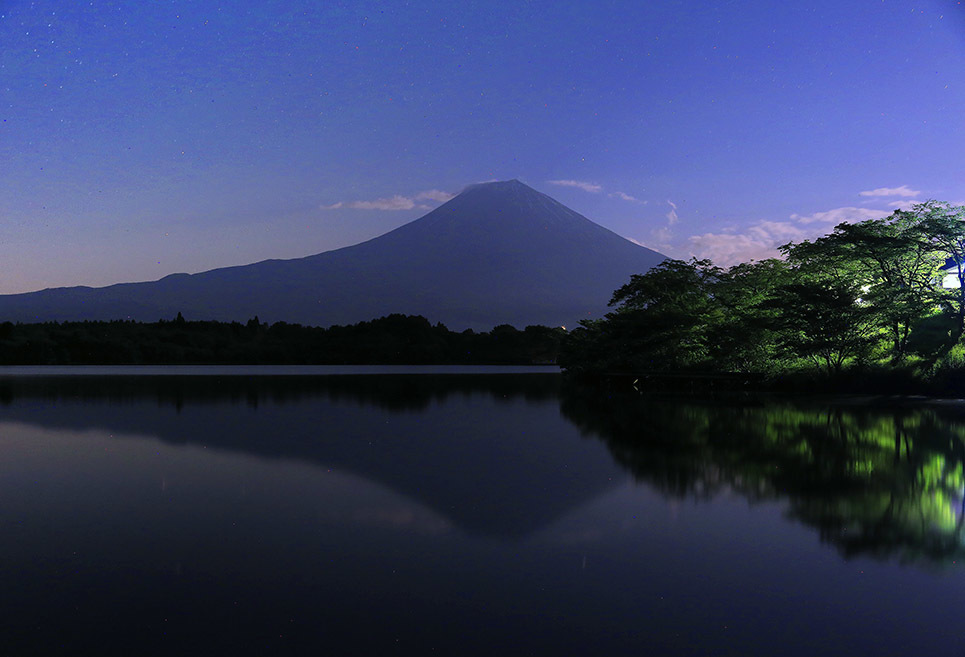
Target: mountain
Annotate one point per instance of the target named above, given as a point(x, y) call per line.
point(498, 253)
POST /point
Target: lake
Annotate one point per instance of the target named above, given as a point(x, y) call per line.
point(398, 511)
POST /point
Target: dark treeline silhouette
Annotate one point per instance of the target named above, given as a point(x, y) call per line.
point(395, 339)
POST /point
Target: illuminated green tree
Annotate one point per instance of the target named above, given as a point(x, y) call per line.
point(743, 335)
point(662, 317)
point(892, 263)
point(944, 227)
point(821, 319)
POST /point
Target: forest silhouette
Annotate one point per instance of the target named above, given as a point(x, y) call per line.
point(394, 339)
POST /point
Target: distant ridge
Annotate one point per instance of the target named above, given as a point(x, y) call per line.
point(497, 253)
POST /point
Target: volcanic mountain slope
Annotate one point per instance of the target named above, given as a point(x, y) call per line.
point(498, 253)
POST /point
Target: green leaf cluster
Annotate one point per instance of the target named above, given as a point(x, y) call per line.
point(866, 292)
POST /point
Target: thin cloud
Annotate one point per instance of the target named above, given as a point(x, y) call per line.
point(903, 205)
point(392, 203)
point(592, 188)
point(395, 203)
point(781, 232)
point(841, 215)
point(725, 249)
point(626, 197)
point(662, 237)
point(891, 191)
point(761, 240)
point(434, 195)
point(655, 244)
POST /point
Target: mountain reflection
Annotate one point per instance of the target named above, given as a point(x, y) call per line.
point(488, 453)
point(882, 482)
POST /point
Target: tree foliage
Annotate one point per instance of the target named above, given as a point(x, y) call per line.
point(663, 313)
point(891, 261)
point(394, 339)
point(858, 293)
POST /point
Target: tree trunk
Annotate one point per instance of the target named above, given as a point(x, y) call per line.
point(961, 302)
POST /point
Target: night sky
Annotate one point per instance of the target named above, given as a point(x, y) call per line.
point(138, 139)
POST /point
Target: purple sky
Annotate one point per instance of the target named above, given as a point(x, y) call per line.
point(138, 139)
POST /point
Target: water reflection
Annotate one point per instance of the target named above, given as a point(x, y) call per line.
point(394, 392)
point(465, 515)
point(871, 480)
point(880, 481)
point(491, 454)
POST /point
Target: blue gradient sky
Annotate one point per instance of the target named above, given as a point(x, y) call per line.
point(139, 139)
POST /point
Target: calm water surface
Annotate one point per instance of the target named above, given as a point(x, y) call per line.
point(469, 514)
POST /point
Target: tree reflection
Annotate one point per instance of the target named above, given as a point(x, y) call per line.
point(873, 480)
point(391, 392)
